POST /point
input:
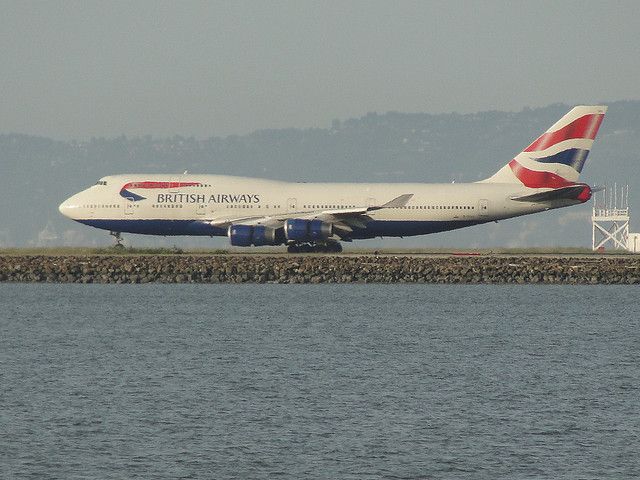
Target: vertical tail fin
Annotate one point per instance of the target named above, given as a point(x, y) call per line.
point(556, 158)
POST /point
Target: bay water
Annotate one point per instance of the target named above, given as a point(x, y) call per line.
point(319, 381)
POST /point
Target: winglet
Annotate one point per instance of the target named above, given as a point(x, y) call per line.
point(397, 202)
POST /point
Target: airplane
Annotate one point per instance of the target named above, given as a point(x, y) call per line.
point(318, 216)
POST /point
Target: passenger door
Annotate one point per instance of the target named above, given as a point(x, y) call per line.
point(483, 207)
point(129, 207)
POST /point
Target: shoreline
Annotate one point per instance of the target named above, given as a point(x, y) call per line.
point(289, 269)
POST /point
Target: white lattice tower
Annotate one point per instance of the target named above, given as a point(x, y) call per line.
point(610, 219)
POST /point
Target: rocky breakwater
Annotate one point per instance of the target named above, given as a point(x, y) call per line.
point(319, 269)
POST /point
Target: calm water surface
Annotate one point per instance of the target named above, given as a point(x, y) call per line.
point(347, 381)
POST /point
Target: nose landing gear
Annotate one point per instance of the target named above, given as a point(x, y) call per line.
point(118, 237)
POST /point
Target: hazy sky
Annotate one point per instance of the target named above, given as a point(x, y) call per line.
point(80, 69)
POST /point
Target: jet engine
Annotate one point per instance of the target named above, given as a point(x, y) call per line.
point(301, 230)
point(247, 235)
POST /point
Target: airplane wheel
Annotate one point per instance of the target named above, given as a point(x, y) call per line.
point(118, 237)
point(333, 247)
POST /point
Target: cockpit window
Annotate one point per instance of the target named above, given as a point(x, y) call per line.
point(101, 182)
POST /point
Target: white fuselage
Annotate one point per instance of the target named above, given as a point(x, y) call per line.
point(201, 204)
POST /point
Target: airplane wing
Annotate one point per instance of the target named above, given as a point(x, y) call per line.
point(343, 219)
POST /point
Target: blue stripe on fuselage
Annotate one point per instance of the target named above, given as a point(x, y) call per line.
point(388, 228)
point(375, 228)
point(158, 227)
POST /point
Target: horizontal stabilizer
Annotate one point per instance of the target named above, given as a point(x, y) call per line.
point(580, 192)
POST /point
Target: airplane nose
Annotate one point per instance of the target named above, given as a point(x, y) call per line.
point(66, 208)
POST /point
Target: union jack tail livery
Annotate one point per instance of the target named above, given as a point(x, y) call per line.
point(556, 158)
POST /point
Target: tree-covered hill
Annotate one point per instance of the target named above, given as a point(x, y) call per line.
point(38, 173)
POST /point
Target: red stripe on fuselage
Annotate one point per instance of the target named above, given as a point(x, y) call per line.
point(535, 179)
point(159, 185)
point(584, 128)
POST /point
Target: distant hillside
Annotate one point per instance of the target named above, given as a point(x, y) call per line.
point(38, 173)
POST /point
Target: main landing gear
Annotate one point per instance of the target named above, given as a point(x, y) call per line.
point(118, 237)
point(329, 247)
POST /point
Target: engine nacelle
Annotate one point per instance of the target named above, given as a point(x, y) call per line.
point(301, 230)
point(247, 235)
point(263, 235)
